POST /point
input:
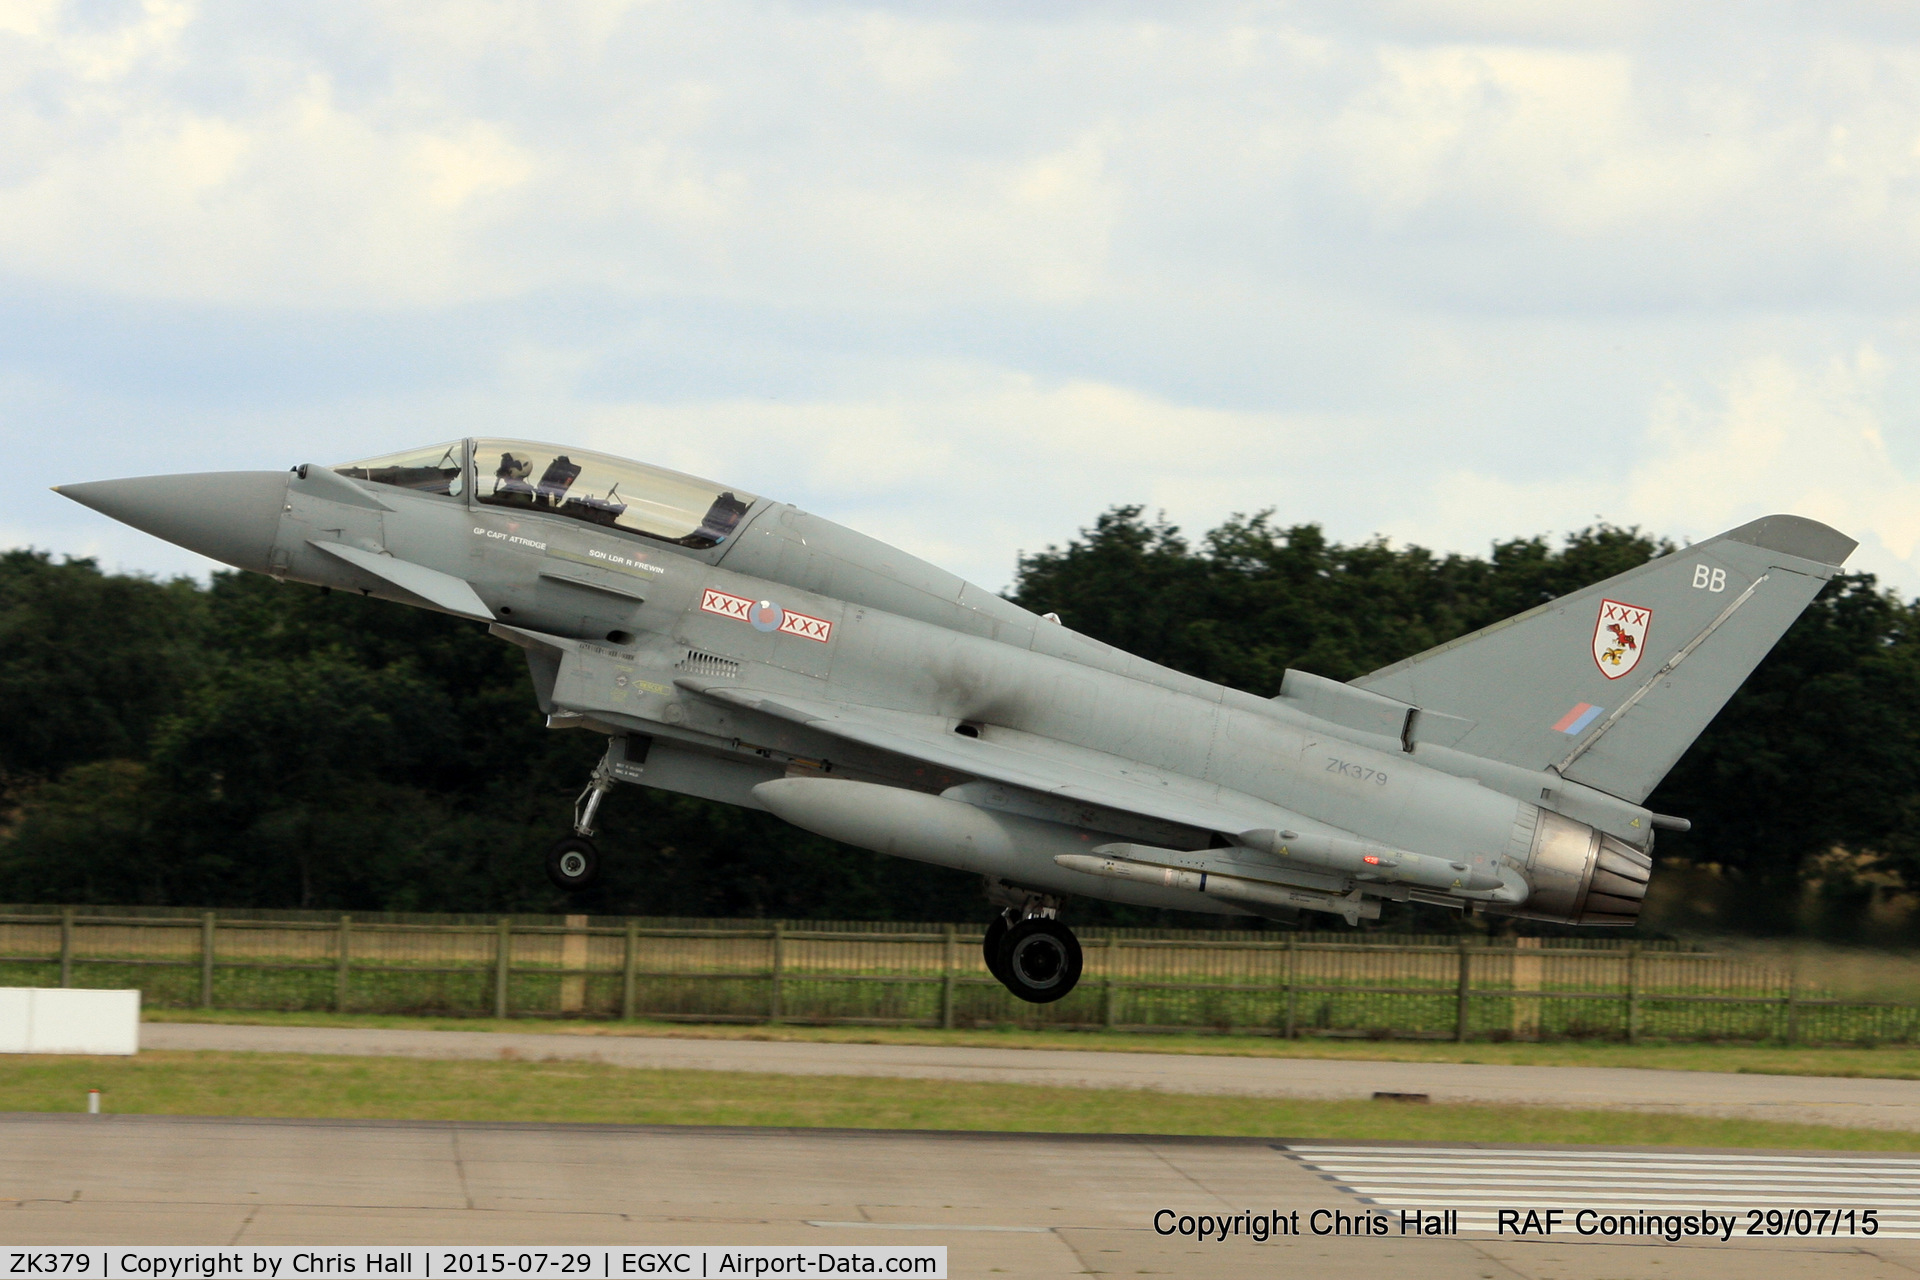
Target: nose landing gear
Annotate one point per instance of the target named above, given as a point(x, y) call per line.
point(1032, 954)
point(573, 864)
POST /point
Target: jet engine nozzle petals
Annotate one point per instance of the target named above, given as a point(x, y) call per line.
point(229, 516)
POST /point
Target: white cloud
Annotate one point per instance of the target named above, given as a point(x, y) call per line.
point(432, 154)
point(1777, 436)
point(1448, 270)
point(967, 465)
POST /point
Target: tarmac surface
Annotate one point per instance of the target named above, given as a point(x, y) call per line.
point(1011, 1204)
point(1850, 1103)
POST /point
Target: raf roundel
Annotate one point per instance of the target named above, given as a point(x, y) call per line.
point(767, 616)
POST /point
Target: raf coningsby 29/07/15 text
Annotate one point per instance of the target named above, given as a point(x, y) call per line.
point(1671, 1225)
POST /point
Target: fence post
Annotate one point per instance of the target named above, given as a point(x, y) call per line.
point(1793, 998)
point(345, 959)
point(626, 971)
point(1529, 979)
point(1293, 964)
point(574, 959)
point(1107, 993)
point(66, 946)
point(946, 979)
point(779, 957)
point(502, 956)
point(1463, 995)
point(1633, 993)
point(206, 960)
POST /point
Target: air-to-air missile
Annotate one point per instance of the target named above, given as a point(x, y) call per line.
point(734, 647)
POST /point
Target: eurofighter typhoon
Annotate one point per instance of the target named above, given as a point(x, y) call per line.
point(733, 647)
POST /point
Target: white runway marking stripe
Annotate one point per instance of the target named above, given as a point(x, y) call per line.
point(1480, 1155)
point(1479, 1182)
point(1673, 1173)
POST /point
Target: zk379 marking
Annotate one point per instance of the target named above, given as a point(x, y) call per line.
point(1359, 772)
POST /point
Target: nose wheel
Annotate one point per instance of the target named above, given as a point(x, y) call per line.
point(573, 863)
point(1038, 959)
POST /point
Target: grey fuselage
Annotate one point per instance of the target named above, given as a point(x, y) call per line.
point(619, 641)
point(747, 652)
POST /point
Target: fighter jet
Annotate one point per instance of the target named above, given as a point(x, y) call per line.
point(734, 647)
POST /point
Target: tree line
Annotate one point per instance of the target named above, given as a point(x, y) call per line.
point(247, 743)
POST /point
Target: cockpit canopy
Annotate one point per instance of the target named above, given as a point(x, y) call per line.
point(594, 487)
point(439, 469)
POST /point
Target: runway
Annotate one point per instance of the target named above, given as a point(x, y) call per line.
point(1011, 1204)
point(1850, 1103)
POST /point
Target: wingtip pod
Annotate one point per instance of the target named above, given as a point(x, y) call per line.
point(1796, 536)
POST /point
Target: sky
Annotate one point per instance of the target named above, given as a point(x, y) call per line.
point(964, 275)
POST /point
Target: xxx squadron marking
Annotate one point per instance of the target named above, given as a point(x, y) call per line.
point(725, 605)
point(1619, 637)
point(765, 615)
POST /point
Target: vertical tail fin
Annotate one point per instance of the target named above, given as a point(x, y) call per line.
point(1610, 685)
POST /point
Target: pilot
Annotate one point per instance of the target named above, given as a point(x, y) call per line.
point(512, 475)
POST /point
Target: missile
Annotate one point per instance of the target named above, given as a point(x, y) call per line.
point(1379, 863)
point(1236, 888)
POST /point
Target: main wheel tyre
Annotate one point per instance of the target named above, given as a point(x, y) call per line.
point(1042, 959)
point(573, 863)
point(994, 948)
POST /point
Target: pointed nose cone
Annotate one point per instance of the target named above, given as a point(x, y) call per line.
point(231, 516)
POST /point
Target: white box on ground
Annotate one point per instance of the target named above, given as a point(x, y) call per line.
point(69, 1020)
point(16, 1018)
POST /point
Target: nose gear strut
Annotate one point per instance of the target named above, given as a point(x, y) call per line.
point(587, 806)
point(574, 863)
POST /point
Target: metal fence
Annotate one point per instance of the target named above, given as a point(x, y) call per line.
point(932, 975)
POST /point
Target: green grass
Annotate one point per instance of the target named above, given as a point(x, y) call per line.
point(299, 1085)
point(1191, 992)
point(1897, 1062)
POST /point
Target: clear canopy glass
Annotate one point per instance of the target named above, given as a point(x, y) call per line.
point(438, 469)
point(609, 491)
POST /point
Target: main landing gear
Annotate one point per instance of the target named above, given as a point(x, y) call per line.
point(1031, 952)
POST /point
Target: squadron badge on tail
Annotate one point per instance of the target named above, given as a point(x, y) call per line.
point(1619, 637)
